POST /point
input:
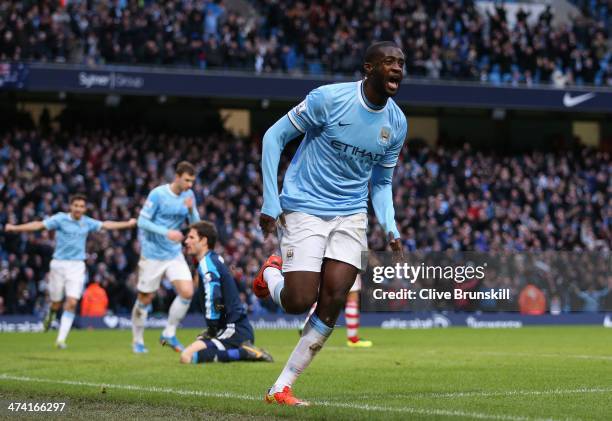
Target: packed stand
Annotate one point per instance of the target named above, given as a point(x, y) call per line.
point(445, 199)
point(442, 40)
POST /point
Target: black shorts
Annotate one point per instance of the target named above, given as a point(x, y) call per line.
point(234, 335)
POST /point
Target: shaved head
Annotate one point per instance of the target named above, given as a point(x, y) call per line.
point(375, 51)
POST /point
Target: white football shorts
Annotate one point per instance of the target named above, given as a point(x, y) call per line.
point(151, 272)
point(306, 239)
point(66, 278)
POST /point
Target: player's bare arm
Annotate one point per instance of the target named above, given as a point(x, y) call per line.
point(27, 227)
point(119, 225)
point(267, 224)
point(175, 236)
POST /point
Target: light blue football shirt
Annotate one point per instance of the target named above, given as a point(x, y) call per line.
point(345, 137)
point(166, 209)
point(71, 234)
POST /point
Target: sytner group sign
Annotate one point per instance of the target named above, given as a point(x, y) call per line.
point(199, 83)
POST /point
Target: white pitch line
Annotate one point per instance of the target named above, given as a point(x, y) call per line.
point(431, 412)
point(527, 354)
point(151, 389)
point(583, 390)
point(134, 388)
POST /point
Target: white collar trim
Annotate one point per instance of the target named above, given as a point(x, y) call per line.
point(170, 190)
point(362, 100)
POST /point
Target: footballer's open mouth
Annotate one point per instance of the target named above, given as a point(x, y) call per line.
point(393, 83)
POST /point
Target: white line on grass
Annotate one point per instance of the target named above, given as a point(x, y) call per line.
point(372, 408)
point(133, 388)
point(528, 354)
point(498, 354)
point(483, 394)
point(582, 390)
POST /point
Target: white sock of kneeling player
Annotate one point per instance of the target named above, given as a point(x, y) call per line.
point(140, 312)
point(314, 336)
point(178, 309)
point(276, 283)
point(65, 325)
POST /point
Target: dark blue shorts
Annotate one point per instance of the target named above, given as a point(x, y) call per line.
point(234, 334)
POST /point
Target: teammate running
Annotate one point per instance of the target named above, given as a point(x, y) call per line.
point(67, 268)
point(166, 209)
point(229, 335)
point(354, 133)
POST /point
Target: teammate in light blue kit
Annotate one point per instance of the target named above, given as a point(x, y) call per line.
point(165, 211)
point(67, 269)
point(354, 133)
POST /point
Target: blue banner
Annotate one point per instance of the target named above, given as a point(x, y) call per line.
point(396, 320)
point(232, 85)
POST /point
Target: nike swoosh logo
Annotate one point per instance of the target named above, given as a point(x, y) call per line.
point(570, 101)
point(345, 124)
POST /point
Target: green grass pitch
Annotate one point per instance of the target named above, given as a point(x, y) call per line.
point(532, 373)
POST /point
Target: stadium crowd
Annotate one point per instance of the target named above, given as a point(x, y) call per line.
point(446, 199)
point(442, 39)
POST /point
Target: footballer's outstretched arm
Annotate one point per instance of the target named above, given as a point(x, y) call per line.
point(382, 199)
point(28, 227)
point(274, 141)
point(119, 225)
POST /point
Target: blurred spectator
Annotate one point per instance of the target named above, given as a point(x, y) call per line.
point(532, 301)
point(94, 302)
point(591, 298)
point(442, 39)
point(555, 305)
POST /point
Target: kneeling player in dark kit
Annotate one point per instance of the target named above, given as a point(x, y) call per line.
point(229, 335)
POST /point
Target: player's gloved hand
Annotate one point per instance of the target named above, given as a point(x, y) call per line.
point(174, 235)
point(208, 333)
point(267, 224)
point(203, 335)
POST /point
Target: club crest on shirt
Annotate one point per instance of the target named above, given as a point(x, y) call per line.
point(385, 135)
point(300, 108)
point(289, 254)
